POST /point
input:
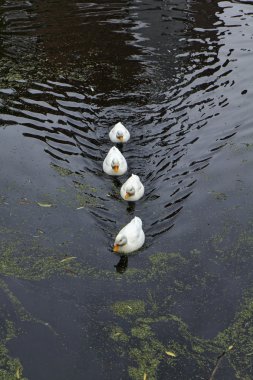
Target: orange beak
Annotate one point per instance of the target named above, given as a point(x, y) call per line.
point(115, 248)
point(120, 138)
point(116, 168)
point(127, 195)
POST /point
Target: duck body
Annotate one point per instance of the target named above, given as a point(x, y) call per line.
point(130, 238)
point(132, 190)
point(114, 163)
point(119, 134)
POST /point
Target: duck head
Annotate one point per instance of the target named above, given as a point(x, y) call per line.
point(115, 165)
point(130, 191)
point(120, 241)
point(120, 136)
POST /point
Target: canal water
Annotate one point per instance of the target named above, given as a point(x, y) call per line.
point(178, 74)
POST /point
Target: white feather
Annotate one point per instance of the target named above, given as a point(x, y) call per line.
point(134, 183)
point(114, 155)
point(134, 235)
point(119, 127)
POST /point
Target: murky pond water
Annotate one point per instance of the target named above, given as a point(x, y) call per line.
point(178, 74)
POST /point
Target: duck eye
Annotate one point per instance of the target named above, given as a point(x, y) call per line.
point(122, 241)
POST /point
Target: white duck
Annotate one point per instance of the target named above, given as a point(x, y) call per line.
point(115, 163)
point(119, 133)
point(132, 190)
point(130, 238)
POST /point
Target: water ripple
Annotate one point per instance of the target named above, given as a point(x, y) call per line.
point(177, 111)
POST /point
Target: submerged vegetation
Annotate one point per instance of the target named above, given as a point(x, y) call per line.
point(239, 338)
point(153, 341)
point(146, 332)
point(37, 66)
point(10, 368)
point(155, 338)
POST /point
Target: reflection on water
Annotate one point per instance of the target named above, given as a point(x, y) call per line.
point(121, 266)
point(177, 75)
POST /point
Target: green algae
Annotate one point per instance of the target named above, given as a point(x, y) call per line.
point(147, 358)
point(10, 368)
point(21, 313)
point(146, 350)
point(140, 341)
point(142, 331)
point(84, 200)
point(144, 347)
point(159, 266)
point(84, 187)
point(128, 308)
point(248, 146)
point(162, 263)
point(117, 334)
point(219, 195)
point(63, 172)
point(239, 337)
point(84, 192)
point(85, 195)
point(28, 259)
point(235, 253)
point(2, 200)
point(10, 330)
point(19, 72)
point(35, 263)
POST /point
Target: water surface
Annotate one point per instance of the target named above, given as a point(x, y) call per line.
point(178, 75)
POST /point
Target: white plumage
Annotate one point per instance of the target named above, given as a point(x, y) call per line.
point(119, 133)
point(130, 238)
point(132, 190)
point(115, 163)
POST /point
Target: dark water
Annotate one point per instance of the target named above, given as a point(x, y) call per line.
point(178, 74)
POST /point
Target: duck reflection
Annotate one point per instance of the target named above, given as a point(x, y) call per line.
point(116, 182)
point(131, 207)
point(120, 147)
point(121, 267)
